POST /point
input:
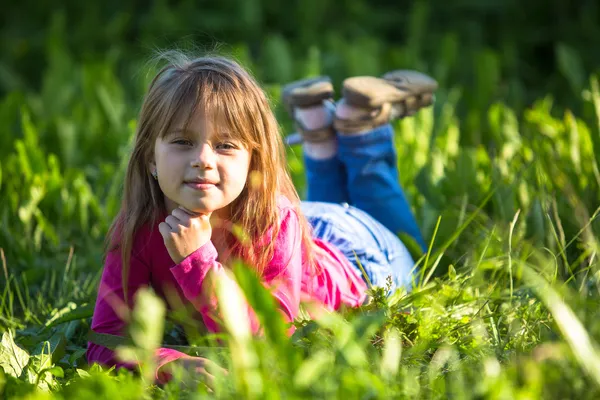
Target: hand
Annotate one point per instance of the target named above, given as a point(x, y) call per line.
point(201, 369)
point(185, 232)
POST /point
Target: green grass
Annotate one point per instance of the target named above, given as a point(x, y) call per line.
point(507, 299)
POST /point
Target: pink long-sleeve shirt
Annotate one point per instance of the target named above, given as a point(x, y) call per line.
point(287, 275)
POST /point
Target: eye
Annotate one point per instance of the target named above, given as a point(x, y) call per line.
point(182, 142)
point(225, 146)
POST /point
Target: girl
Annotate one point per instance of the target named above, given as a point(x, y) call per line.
point(208, 157)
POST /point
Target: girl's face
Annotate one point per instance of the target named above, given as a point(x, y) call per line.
point(201, 168)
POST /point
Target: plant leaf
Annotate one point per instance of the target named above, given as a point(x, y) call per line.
point(13, 359)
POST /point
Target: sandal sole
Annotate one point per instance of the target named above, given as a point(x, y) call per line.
point(413, 88)
point(420, 85)
point(307, 92)
point(372, 92)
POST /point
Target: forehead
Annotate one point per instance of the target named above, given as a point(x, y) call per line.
point(198, 121)
point(204, 107)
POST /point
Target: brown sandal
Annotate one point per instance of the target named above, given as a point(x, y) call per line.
point(368, 122)
point(421, 87)
point(397, 94)
point(394, 87)
point(307, 93)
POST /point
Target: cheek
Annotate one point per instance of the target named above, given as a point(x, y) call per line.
point(170, 163)
point(159, 157)
point(238, 177)
point(238, 173)
point(245, 171)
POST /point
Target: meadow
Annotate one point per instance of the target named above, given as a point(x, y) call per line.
point(503, 178)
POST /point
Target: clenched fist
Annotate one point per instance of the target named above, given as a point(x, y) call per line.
point(185, 232)
point(200, 370)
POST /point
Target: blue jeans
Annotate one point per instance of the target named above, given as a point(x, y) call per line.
point(355, 202)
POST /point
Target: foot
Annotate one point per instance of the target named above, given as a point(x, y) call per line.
point(370, 102)
point(314, 117)
point(310, 103)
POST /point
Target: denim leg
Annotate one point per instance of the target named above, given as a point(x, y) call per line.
point(373, 185)
point(363, 241)
point(326, 180)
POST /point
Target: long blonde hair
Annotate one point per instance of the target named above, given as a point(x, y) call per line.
point(213, 86)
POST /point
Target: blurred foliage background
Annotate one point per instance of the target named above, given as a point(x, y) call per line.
point(72, 76)
point(514, 84)
point(503, 175)
point(512, 50)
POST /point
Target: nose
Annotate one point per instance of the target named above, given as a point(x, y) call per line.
point(204, 157)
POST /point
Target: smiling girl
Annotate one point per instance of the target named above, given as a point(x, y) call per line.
point(208, 156)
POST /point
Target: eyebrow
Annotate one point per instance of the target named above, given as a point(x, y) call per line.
point(222, 135)
point(179, 130)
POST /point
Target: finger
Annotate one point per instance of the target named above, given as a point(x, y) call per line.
point(164, 229)
point(173, 223)
point(194, 214)
point(189, 212)
point(213, 367)
point(208, 379)
point(182, 216)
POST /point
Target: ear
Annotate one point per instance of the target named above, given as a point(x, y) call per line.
point(152, 165)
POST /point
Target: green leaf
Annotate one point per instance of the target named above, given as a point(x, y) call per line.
point(146, 330)
point(278, 65)
point(569, 64)
point(75, 357)
point(56, 371)
point(146, 327)
point(584, 347)
point(313, 368)
point(262, 302)
point(536, 229)
point(234, 313)
point(392, 353)
point(83, 373)
point(13, 359)
point(51, 350)
point(595, 91)
point(451, 272)
point(71, 312)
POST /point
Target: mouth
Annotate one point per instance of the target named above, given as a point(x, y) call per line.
point(200, 184)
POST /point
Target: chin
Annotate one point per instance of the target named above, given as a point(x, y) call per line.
point(203, 208)
point(205, 205)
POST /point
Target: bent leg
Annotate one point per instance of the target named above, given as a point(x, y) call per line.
point(372, 180)
point(364, 242)
point(326, 180)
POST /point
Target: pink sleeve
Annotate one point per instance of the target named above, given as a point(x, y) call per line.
point(110, 305)
point(283, 275)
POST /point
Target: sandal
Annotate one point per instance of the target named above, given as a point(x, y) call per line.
point(307, 93)
point(421, 87)
point(397, 94)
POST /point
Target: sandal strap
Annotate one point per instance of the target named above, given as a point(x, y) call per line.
point(420, 85)
point(394, 87)
point(316, 135)
point(371, 92)
point(356, 125)
point(414, 82)
point(293, 139)
point(319, 134)
point(307, 92)
point(397, 94)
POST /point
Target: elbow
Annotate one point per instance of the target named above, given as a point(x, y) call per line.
point(99, 354)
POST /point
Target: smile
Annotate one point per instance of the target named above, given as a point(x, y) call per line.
point(200, 186)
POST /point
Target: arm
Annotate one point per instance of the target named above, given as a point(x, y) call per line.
point(111, 311)
point(283, 275)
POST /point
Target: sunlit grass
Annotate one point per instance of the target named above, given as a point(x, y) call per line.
point(505, 304)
